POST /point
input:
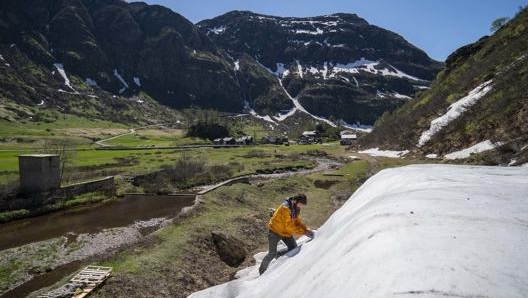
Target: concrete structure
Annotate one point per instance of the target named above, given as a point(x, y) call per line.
point(39, 172)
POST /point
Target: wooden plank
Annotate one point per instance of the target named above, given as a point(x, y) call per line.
point(90, 278)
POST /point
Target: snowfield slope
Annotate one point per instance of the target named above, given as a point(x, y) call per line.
point(415, 231)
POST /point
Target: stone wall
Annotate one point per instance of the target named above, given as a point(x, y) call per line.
point(106, 184)
point(35, 201)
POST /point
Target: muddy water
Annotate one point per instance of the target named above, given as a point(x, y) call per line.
point(90, 219)
point(84, 220)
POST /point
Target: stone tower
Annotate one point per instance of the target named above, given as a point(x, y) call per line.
point(39, 172)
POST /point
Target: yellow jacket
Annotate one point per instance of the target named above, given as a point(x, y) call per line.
point(282, 223)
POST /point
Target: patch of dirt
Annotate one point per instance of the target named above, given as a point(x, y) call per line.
point(324, 184)
point(199, 267)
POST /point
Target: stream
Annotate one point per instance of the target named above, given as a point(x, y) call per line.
point(54, 245)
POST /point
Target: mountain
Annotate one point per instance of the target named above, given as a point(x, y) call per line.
point(66, 54)
point(337, 66)
point(479, 101)
point(414, 231)
point(57, 47)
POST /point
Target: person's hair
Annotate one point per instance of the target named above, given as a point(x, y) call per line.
point(301, 198)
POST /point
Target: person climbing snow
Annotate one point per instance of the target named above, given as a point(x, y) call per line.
point(284, 224)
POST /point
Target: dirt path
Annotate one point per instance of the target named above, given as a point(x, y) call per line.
point(130, 131)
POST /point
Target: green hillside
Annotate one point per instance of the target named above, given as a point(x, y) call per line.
point(499, 116)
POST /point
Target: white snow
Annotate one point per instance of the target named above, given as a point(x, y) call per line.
point(281, 117)
point(60, 69)
point(137, 81)
point(345, 79)
point(281, 71)
point(432, 155)
point(2, 58)
point(299, 68)
point(454, 111)
point(428, 231)
point(265, 118)
point(297, 105)
point(420, 87)
point(217, 30)
point(120, 78)
point(325, 70)
point(370, 66)
point(255, 114)
point(356, 81)
point(237, 65)
point(358, 126)
point(477, 148)
point(385, 153)
point(331, 70)
point(90, 82)
point(398, 95)
point(317, 31)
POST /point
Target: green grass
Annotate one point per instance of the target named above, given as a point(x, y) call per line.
point(42, 128)
point(223, 209)
point(155, 138)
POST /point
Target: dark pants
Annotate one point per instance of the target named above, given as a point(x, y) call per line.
point(273, 240)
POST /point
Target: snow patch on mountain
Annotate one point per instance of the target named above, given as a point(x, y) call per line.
point(299, 68)
point(217, 30)
point(477, 148)
point(90, 82)
point(137, 81)
point(120, 78)
point(454, 111)
point(62, 72)
point(384, 153)
point(331, 70)
point(299, 107)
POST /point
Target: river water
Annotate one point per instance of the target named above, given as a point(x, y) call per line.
point(130, 215)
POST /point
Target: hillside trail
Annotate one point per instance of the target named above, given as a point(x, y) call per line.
point(101, 143)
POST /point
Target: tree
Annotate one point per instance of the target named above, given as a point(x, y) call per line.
point(64, 150)
point(498, 23)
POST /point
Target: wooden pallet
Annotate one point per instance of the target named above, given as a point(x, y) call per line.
point(91, 277)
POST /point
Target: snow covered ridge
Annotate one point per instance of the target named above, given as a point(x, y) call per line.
point(454, 111)
point(332, 70)
point(415, 231)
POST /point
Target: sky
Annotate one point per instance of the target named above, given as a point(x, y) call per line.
point(414, 231)
point(438, 27)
